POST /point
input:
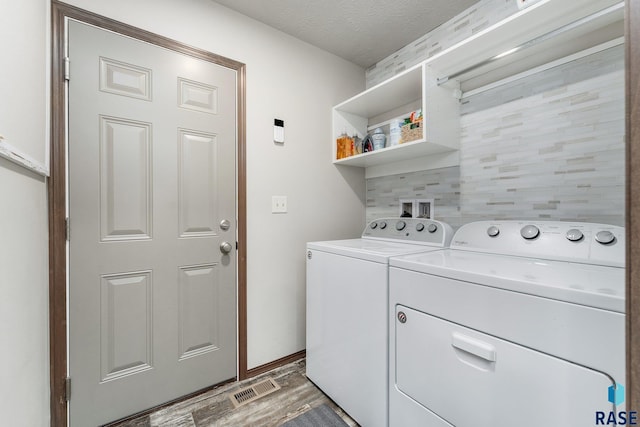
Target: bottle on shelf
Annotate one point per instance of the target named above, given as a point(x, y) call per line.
point(395, 132)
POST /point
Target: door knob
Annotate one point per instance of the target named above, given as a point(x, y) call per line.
point(225, 247)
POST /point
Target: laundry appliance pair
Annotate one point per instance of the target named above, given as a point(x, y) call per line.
point(504, 323)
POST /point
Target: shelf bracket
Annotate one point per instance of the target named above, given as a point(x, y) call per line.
point(442, 80)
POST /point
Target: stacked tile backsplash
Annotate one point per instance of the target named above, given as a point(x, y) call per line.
point(443, 185)
point(478, 17)
point(549, 146)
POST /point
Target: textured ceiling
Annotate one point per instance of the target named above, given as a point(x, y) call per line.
point(360, 31)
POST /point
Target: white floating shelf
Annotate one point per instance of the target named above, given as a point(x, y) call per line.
point(521, 27)
point(553, 28)
point(395, 92)
point(396, 153)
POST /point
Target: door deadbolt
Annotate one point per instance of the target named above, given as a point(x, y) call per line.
point(225, 224)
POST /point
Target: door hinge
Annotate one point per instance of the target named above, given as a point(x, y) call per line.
point(67, 228)
point(67, 67)
point(67, 389)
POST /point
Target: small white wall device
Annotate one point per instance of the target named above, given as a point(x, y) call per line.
point(278, 131)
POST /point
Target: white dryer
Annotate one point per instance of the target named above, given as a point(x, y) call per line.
point(517, 323)
point(347, 311)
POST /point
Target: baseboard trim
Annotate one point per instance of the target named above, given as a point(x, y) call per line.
point(276, 364)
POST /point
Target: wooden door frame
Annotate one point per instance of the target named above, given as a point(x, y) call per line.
point(57, 192)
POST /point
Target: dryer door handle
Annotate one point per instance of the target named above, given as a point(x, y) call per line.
point(473, 346)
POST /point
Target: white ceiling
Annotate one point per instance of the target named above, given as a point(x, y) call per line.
point(360, 31)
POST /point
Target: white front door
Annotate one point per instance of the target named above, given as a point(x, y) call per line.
point(152, 201)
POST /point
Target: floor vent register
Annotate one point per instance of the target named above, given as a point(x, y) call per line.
point(254, 392)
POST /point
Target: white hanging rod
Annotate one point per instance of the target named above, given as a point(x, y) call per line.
point(547, 66)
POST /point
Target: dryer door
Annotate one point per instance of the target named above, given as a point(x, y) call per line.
point(471, 379)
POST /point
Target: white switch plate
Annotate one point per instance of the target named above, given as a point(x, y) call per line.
point(278, 204)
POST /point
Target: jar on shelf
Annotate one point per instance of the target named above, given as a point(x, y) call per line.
point(379, 139)
point(344, 146)
point(357, 144)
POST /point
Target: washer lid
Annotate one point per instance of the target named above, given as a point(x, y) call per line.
point(369, 249)
point(584, 284)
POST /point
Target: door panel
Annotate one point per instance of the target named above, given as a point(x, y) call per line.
point(198, 323)
point(126, 324)
point(198, 183)
point(198, 96)
point(152, 300)
point(125, 79)
point(125, 179)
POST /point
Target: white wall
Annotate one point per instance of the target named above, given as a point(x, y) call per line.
point(24, 303)
point(24, 298)
point(289, 80)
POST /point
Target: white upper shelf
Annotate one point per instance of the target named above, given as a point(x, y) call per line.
point(550, 27)
point(395, 92)
point(521, 27)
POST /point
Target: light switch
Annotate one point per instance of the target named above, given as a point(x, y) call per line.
point(278, 204)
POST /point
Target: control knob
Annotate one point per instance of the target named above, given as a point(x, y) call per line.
point(432, 228)
point(383, 225)
point(400, 225)
point(529, 232)
point(493, 231)
point(419, 226)
point(605, 237)
point(574, 235)
point(374, 225)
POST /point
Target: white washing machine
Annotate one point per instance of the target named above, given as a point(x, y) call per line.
point(347, 311)
point(517, 323)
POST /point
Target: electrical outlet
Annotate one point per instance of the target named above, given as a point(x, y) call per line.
point(278, 204)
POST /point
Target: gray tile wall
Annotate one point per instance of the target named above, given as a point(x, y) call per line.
point(442, 185)
point(552, 154)
point(550, 146)
point(478, 17)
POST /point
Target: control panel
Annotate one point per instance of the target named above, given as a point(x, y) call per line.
point(583, 242)
point(414, 230)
